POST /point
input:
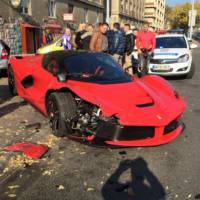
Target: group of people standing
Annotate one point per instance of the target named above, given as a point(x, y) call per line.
point(120, 42)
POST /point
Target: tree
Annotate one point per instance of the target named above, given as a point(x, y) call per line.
point(179, 16)
point(168, 11)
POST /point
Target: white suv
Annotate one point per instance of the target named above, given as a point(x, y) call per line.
point(172, 56)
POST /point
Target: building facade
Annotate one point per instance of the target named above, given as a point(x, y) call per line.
point(155, 13)
point(35, 15)
point(89, 11)
point(84, 11)
point(128, 11)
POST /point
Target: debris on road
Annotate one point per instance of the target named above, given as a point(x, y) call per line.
point(11, 187)
point(50, 141)
point(12, 195)
point(30, 150)
point(47, 172)
point(60, 187)
point(189, 196)
point(19, 161)
point(34, 126)
point(123, 153)
point(90, 189)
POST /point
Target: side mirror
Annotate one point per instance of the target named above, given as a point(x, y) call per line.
point(193, 46)
point(62, 77)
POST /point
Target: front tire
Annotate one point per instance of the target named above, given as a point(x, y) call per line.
point(61, 107)
point(191, 72)
point(11, 81)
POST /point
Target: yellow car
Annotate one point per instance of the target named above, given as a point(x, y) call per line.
point(55, 46)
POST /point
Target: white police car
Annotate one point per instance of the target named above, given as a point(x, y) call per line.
point(172, 56)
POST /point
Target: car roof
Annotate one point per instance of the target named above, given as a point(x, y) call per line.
point(170, 35)
point(59, 56)
point(65, 53)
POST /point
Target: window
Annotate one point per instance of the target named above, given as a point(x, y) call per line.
point(52, 8)
point(23, 10)
point(131, 7)
point(24, 7)
point(122, 6)
point(127, 6)
point(70, 8)
point(97, 17)
point(171, 42)
point(86, 15)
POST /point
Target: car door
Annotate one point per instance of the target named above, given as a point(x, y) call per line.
point(36, 83)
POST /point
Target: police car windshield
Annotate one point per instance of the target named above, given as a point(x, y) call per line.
point(170, 42)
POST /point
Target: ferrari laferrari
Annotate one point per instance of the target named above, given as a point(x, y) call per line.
point(88, 97)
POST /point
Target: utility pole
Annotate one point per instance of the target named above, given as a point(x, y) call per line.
point(191, 19)
point(108, 11)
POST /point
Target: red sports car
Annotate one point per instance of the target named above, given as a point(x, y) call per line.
point(87, 96)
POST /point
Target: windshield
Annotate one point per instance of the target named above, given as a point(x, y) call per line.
point(170, 42)
point(96, 68)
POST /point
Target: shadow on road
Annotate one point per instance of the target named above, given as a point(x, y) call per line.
point(174, 78)
point(4, 110)
point(3, 74)
point(142, 183)
point(4, 93)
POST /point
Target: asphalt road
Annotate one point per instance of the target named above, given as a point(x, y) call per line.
point(73, 171)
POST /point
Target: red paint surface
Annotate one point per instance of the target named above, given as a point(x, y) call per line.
point(113, 99)
point(34, 151)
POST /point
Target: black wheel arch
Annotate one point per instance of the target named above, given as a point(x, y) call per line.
point(50, 91)
point(10, 72)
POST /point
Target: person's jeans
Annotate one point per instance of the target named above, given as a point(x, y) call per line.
point(144, 60)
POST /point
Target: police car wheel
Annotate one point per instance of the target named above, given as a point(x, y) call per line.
point(191, 72)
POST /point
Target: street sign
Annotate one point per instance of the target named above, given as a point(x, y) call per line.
point(192, 18)
point(68, 17)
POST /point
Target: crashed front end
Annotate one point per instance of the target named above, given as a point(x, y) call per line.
point(92, 126)
point(113, 133)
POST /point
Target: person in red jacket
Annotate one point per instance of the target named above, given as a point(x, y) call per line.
point(146, 43)
point(146, 39)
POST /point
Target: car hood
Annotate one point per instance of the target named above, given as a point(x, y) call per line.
point(169, 53)
point(134, 103)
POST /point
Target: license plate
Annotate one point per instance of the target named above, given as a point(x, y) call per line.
point(161, 67)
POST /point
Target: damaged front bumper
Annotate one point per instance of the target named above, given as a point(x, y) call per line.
point(113, 133)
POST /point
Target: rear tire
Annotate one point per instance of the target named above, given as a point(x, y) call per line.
point(61, 107)
point(191, 72)
point(11, 81)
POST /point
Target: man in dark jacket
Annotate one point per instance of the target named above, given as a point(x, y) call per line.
point(130, 44)
point(80, 32)
point(116, 42)
point(49, 37)
point(86, 37)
